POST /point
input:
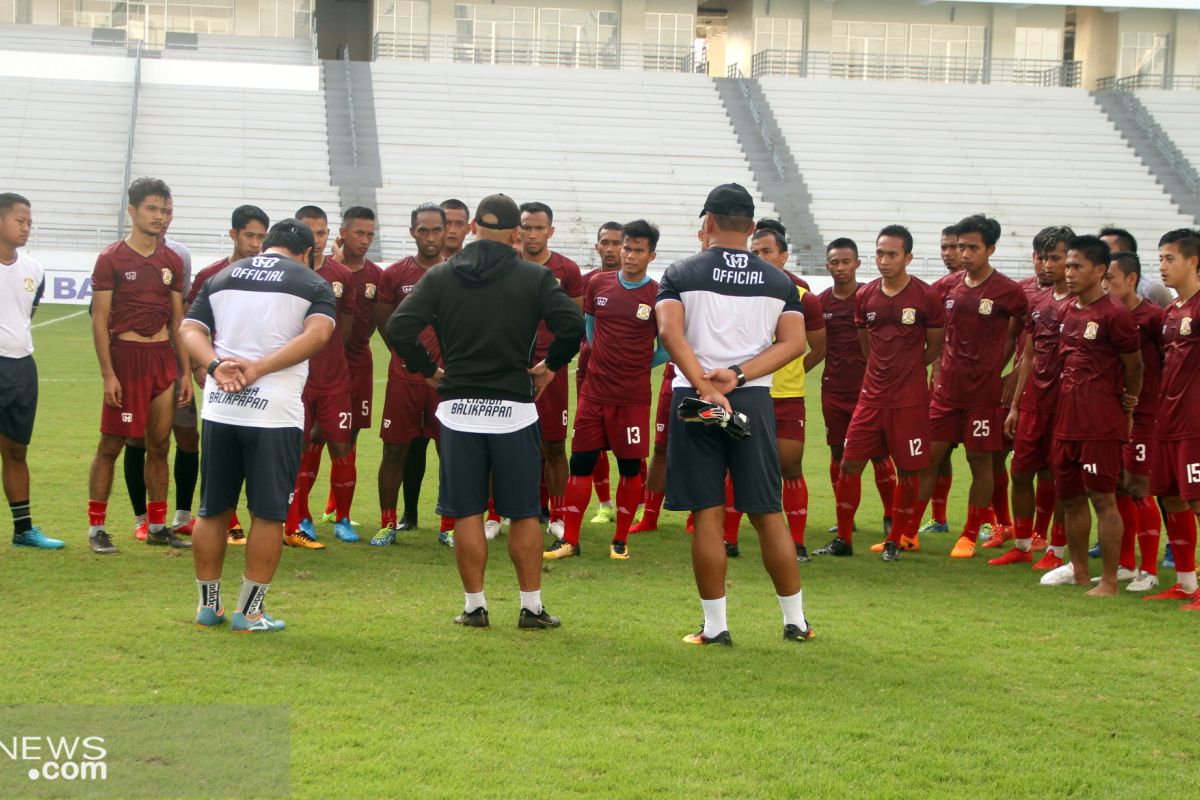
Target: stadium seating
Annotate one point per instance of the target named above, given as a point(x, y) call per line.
point(593, 145)
point(63, 146)
point(925, 155)
point(1178, 114)
point(219, 148)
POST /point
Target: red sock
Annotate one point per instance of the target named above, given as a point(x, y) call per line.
point(310, 464)
point(885, 482)
point(835, 472)
point(342, 476)
point(233, 521)
point(733, 517)
point(544, 492)
point(331, 500)
point(600, 479)
point(643, 471)
point(447, 524)
point(387, 518)
point(628, 492)
point(849, 495)
point(1058, 535)
point(1129, 531)
point(975, 518)
point(1024, 527)
point(795, 508)
point(1044, 505)
point(558, 501)
point(941, 491)
point(97, 513)
point(652, 507)
point(156, 512)
point(1000, 498)
point(575, 502)
point(989, 517)
point(914, 520)
point(491, 512)
point(903, 500)
point(1149, 533)
point(1181, 533)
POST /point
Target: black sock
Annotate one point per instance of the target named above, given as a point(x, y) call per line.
point(135, 478)
point(21, 519)
point(414, 474)
point(187, 469)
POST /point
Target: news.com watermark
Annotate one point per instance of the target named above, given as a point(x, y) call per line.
point(143, 751)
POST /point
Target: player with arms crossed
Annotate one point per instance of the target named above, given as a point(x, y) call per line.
point(614, 402)
point(900, 326)
point(136, 310)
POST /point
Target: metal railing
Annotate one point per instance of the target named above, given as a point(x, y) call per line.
point(1131, 82)
point(1181, 166)
point(735, 72)
point(925, 69)
point(131, 133)
point(350, 107)
point(536, 53)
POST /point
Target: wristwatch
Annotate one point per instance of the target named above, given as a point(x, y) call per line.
point(736, 369)
point(212, 365)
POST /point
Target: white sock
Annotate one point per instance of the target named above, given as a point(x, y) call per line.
point(532, 601)
point(1057, 549)
point(210, 593)
point(607, 505)
point(1024, 545)
point(94, 529)
point(182, 515)
point(793, 610)
point(250, 601)
point(475, 600)
point(714, 616)
point(1187, 581)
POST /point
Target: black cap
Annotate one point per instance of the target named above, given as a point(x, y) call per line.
point(498, 212)
point(731, 200)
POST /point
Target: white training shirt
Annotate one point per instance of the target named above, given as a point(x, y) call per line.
point(21, 285)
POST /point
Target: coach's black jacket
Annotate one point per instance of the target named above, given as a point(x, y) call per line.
point(485, 305)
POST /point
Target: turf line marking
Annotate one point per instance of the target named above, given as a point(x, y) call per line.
point(59, 319)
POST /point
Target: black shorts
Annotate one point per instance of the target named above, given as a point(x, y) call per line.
point(513, 460)
point(266, 459)
point(18, 398)
point(698, 456)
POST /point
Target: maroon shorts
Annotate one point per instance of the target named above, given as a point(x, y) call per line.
point(362, 392)
point(662, 416)
point(331, 414)
point(979, 430)
point(1137, 456)
point(1031, 448)
point(1176, 469)
point(625, 430)
point(552, 408)
point(837, 412)
point(901, 432)
point(1079, 467)
point(409, 409)
point(789, 418)
point(145, 370)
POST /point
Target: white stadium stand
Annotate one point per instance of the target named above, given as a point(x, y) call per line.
point(1178, 114)
point(925, 155)
point(593, 145)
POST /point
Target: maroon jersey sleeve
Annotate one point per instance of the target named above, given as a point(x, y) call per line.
point(810, 305)
point(1177, 417)
point(104, 274)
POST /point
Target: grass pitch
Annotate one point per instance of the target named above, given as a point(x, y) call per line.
point(927, 678)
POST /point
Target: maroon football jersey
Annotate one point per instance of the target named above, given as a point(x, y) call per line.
point(141, 287)
point(844, 359)
point(327, 370)
point(1041, 332)
point(1149, 318)
point(977, 322)
point(202, 276)
point(397, 281)
point(623, 341)
point(896, 375)
point(1030, 287)
point(1177, 417)
point(571, 281)
point(1089, 397)
point(366, 286)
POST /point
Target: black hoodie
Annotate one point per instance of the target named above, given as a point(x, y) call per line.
point(485, 305)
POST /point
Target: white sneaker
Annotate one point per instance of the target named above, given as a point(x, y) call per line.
point(504, 521)
point(491, 528)
point(1061, 576)
point(557, 528)
point(1144, 582)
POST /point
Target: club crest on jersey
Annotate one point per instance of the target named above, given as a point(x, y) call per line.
point(1091, 330)
point(337, 289)
point(166, 273)
point(370, 291)
point(908, 316)
point(985, 307)
point(737, 260)
point(1185, 326)
point(643, 312)
point(28, 284)
point(870, 316)
point(602, 301)
point(949, 303)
